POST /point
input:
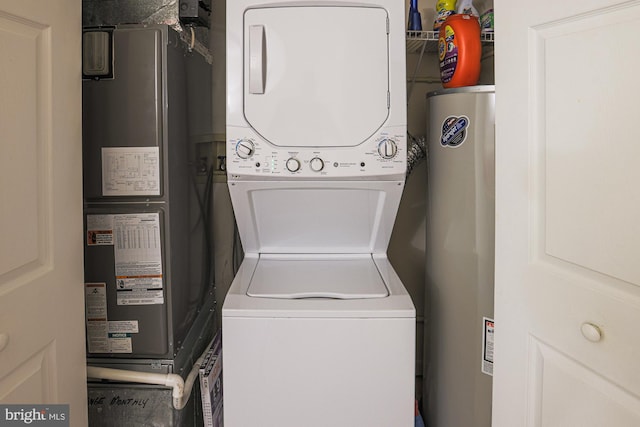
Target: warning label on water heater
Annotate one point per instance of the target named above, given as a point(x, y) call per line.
point(487, 346)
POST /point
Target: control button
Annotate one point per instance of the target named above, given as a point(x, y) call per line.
point(293, 165)
point(245, 148)
point(316, 164)
point(387, 148)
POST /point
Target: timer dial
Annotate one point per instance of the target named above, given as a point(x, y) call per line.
point(316, 164)
point(387, 148)
point(245, 148)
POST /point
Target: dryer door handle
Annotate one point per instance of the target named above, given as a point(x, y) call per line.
point(257, 59)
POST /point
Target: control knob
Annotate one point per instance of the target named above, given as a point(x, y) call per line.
point(387, 148)
point(293, 164)
point(245, 148)
point(316, 164)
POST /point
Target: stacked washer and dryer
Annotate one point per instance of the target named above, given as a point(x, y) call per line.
point(318, 329)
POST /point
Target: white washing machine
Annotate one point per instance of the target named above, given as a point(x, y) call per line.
point(318, 329)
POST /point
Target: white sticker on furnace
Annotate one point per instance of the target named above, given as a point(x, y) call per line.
point(123, 326)
point(99, 230)
point(97, 336)
point(130, 171)
point(138, 259)
point(95, 300)
point(120, 343)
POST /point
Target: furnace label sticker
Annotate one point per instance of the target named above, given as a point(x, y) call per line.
point(130, 171)
point(138, 259)
point(120, 343)
point(95, 298)
point(95, 302)
point(99, 230)
point(123, 326)
point(120, 335)
point(454, 131)
point(97, 337)
point(144, 297)
point(104, 336)
point(487, 346)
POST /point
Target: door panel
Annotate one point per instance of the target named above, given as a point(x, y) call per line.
point(568, 393)
point(592, 160)
point(567, 236)
point(23, 247)
point(30, 381)
point(42, 356)
point(316, 76)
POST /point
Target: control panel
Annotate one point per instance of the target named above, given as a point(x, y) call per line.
point(250, 155)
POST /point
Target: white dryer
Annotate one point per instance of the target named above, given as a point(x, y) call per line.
point(318, 329)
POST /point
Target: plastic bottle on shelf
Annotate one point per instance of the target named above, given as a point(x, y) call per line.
point(415, 20)
point(486, 21)
point(459, 51)
point(466, 7)
point(444, 9)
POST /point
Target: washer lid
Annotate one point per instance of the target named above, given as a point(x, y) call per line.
point(315, 217)
point(354, 277)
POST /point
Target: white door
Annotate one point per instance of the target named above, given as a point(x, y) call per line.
point(567, 214)
point(42, 352)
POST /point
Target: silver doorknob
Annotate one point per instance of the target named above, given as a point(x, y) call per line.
point(591, 332)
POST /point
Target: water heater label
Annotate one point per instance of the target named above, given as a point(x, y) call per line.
point(130, 171)
point(454, 131)
point(487, 346)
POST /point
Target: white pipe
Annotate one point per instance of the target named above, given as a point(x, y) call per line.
point(181, 388)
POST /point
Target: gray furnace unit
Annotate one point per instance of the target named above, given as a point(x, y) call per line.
point(147, 263)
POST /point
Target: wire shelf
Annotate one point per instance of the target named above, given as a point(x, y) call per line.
point(428, 40)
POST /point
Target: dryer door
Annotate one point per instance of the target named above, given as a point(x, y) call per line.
point(316, 76)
